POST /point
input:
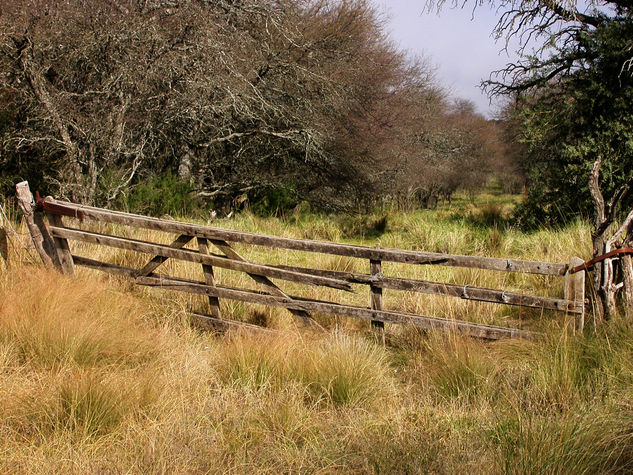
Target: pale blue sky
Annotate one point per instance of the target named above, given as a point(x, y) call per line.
point(458, 42)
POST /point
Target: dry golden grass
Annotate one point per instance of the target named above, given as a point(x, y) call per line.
point(98, 376)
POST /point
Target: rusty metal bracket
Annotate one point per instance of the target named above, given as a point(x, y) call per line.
point(54, 208)
point(589, 264)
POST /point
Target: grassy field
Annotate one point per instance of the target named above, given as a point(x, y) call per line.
point(99, 376)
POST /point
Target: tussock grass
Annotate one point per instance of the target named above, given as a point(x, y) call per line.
point(580, 444)
point(339, 369)
point(99, 376)
point(51, 321)
point(93, 404)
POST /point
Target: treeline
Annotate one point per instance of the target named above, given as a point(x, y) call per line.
point(105, 101)
point(569, 109)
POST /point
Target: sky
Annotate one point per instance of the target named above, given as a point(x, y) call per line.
point(458, 43)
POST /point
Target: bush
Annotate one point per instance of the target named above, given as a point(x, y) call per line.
point(274, 201)
point(163, 194)
point(363, 226)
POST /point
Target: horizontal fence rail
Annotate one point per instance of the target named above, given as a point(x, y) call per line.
point(59, 234)
point(348, 250)
point(193, 256)
point(298, 303)
point(467, 292)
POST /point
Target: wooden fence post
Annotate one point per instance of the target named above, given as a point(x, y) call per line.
point(62, 249)
point(214, 302)
point(575, 289)
point(42, 240)
point(376, 301)
point(4, 245)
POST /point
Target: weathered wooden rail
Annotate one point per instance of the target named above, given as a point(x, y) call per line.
point(52, 240)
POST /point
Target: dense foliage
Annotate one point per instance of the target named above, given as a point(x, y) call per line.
point(568, 125)
point(570, 93)
point(240, 98)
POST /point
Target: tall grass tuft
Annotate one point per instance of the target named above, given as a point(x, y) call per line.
point(583, 444)
point(348, 370)
point(456, 368)
point(338, 369)
point(256, 363)
point(88, 406)
point(52, 321)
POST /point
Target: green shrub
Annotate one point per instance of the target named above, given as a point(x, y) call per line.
point(363, 226)
point(274, 201)
point(163, 194)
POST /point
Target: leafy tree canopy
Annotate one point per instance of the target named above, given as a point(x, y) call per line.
point(585, 115)
point(571, 92)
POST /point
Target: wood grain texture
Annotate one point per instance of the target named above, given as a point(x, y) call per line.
point(62, 248)
point(376, 300)
point(180, 242)
point(575, 291)
point(4, 246)
point(466, 292)
point(209, 278)
point(42, 240)
point(269, 286)
point(171, 283)
point(487, 332)
point(363, 252)
point(193, 256)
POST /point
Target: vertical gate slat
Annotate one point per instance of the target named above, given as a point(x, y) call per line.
point(375, 268)
point(61, 246)
point(214, 302)
point(575, 290)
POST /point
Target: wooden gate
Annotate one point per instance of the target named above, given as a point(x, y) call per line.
point(52, 241)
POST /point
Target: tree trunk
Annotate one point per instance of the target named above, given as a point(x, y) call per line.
point(606, 272)
point(39, 85)
point(598, 294)
point(627, 278)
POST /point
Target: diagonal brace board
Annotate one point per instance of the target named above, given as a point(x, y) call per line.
point(487, 332)
point(264, 282)
point(156, 261)
point(193, 256)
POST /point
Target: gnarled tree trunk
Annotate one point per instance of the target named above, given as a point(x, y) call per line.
point(612, 277)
